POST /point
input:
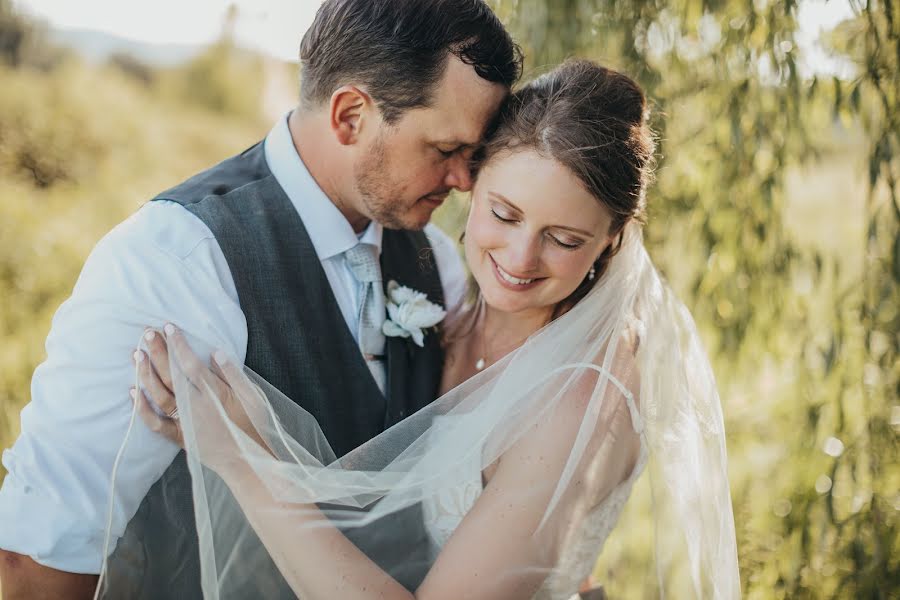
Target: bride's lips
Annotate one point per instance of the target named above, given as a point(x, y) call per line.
point(509, 285)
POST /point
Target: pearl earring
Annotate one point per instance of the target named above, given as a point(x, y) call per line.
point(592, 273)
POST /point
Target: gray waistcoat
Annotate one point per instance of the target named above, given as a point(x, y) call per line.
point(299, 342)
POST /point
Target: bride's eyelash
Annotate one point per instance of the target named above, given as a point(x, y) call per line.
point(565, 245)
point(501, 219)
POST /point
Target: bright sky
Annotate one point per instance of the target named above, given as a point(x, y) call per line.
point(276, 26)
point(273, 26)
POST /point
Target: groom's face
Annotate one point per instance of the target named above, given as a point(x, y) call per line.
point(410, 166)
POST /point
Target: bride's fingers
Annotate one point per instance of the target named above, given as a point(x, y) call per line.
point(195, 370)
point(233, 375)
point(159, 355)
point(166, 427)
point(159, 393)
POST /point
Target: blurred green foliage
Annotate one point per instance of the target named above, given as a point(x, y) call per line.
point(775, 216)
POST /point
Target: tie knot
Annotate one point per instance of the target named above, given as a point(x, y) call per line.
point(363, 262)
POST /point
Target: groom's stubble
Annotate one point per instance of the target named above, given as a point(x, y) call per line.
point(384, 196)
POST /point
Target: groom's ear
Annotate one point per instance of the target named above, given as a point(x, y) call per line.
point(351, 108)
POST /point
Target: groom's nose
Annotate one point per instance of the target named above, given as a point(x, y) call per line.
point(458, 174)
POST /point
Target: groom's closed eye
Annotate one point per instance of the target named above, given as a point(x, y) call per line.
point(448, 149)
point(447, 153)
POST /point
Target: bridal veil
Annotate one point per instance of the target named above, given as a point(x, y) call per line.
point(618, 381)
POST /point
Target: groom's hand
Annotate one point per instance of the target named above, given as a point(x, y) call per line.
point(22, 578)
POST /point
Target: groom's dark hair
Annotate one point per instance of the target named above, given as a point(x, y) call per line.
point(398, 49)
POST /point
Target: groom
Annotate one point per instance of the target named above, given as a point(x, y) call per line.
point(277, 255)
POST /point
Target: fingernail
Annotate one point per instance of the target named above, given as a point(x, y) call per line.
point(138, 356)
point(132, 393)
point(169, 329)
point(150, 335)
point(220, 357)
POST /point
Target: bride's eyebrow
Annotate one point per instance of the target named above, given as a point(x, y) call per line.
point(509, 203)
point(505, 200)
point(574, 230)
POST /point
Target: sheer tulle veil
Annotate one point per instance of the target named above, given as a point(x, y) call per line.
point(626, 359)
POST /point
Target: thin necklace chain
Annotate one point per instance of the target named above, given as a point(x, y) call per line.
point(484, 360)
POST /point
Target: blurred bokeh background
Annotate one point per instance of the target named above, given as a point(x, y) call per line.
point(775, 216)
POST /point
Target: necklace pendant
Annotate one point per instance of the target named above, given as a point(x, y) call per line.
point(479, 364)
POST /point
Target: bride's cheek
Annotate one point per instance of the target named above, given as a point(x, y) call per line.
point(567, 274)
point(481, 237)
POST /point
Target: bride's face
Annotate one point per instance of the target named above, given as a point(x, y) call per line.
point(533, 232)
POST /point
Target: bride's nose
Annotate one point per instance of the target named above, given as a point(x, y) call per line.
point(524, 254)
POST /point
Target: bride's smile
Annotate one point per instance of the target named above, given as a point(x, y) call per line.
point(513, 282)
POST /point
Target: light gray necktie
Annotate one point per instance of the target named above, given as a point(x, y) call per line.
point(363, 262)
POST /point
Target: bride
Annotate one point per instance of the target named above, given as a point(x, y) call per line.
point(572, 369)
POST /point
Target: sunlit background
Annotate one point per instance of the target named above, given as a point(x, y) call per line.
point(775, 216)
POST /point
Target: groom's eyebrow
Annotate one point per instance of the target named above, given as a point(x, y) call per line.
point(459, 144)
point(468, 139)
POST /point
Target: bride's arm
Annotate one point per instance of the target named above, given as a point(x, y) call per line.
point(319, 563)
point(494, 553)
point(498, 544)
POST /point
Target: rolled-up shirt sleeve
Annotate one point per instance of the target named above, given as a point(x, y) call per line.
point(161, 265)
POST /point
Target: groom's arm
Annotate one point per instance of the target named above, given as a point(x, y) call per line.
point(160, 265)
point(24, 579)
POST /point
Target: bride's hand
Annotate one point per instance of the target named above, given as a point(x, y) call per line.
point(206, 385)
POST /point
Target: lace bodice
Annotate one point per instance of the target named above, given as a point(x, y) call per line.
point(445, 510)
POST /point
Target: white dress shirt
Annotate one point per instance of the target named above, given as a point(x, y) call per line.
point(160, 265)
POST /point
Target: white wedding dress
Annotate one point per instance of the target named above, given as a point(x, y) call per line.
point(446, 508)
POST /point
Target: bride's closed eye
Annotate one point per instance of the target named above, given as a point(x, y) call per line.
point(566, 245)
point(502, 219)
point(509, 219)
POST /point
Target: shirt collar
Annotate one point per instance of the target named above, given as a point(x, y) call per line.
point(329, 231)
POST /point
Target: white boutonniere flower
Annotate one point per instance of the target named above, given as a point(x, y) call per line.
point(410, 313)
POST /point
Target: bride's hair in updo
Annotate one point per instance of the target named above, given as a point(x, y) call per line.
point(592, 120)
